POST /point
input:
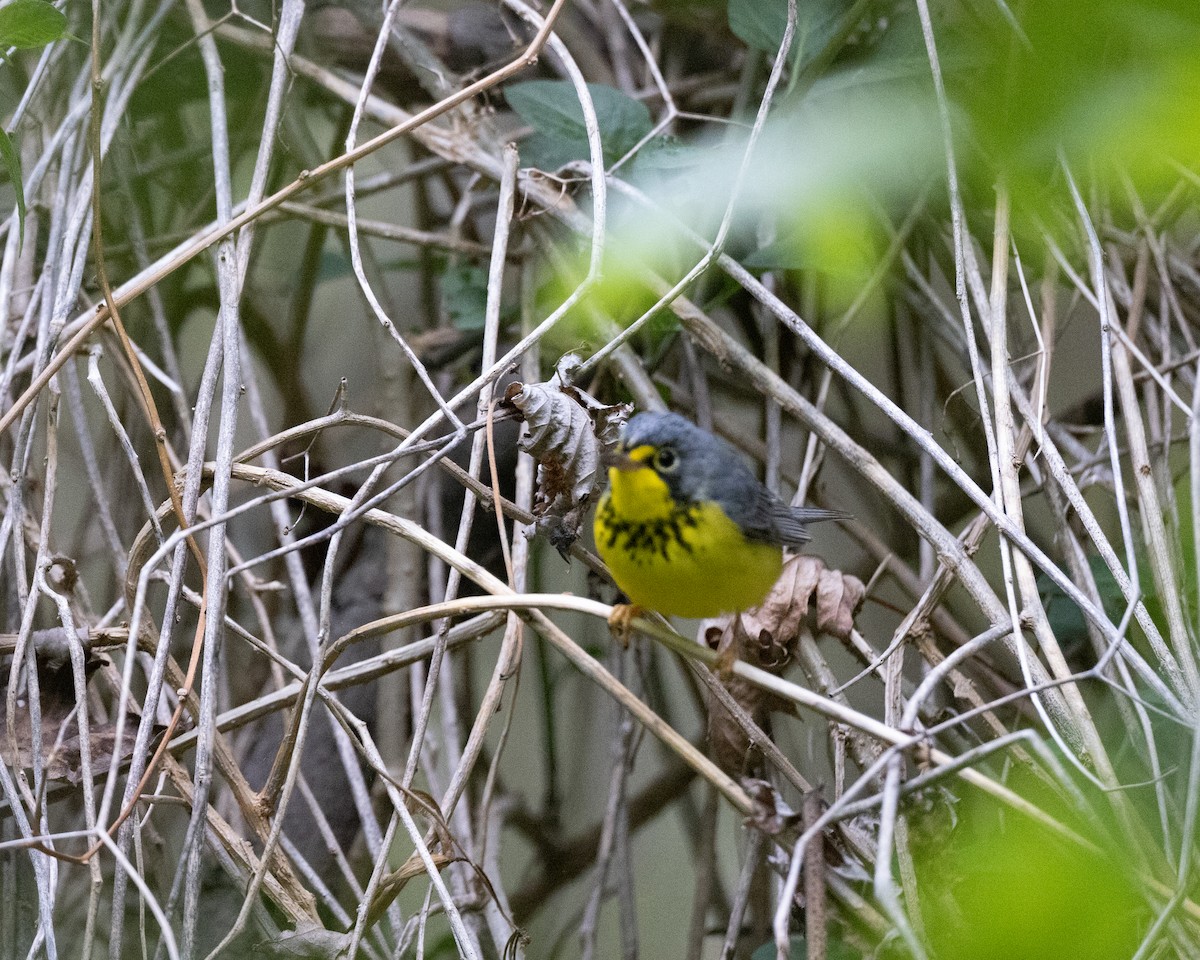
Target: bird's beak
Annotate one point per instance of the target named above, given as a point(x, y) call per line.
point(636, 459)
point(620, 460)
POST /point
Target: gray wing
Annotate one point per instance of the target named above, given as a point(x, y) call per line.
point(756, 510)
point(772, 520)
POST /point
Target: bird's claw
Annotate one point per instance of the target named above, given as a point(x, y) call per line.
point(620, 621)
point(726, 658)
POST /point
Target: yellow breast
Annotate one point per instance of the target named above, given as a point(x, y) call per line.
point(683, 560)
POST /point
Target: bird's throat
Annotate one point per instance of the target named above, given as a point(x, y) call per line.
point(639, 494)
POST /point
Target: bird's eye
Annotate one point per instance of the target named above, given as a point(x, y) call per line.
point(665, 460)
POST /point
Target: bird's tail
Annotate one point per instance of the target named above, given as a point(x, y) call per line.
point(789, 525)
point(816, 514)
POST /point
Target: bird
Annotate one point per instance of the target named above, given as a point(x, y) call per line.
point(685, 526)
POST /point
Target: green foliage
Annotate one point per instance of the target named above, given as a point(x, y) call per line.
point(1066, 619)
point(761, 23)
point(13, 164)
point(665, 155)
point(29, 24)
point(862, 141)
point(621, 295)
point(1111, 83)
point(552, 108)
point(836, 239)
point(464, 295)
point(26, 25)
point(999, 886)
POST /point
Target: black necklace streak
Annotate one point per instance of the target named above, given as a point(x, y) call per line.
point(644, 538)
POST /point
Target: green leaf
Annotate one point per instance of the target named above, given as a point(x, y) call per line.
point(760, 24)
point(1109, 83)
point(30, 23)
point(334, 265)
point(464, 295)
point(667, 156)
point(13, 163)
point(552, 108)
point(787, 254)
point(767, 951)
point(1002, 887)
point(1066, 619)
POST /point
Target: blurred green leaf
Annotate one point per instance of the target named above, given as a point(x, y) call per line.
point(13, 164)
point(1066, 619)
point(30, 23)
point(767, 951)
point(464, 295)
point(621, 295)
point(666, 155)
point(335, 264)
point(1112, 83)
point(1001, 887)
point(835, 240)
point(552, 108)
point(761, 23)
point(861, 143)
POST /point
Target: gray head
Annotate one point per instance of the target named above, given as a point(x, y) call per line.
point(695, 464)
point(698, 466)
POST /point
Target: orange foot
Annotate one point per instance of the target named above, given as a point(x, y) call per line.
point(620, 621)
point(726, 658)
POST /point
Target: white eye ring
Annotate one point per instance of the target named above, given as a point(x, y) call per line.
point(665, 460)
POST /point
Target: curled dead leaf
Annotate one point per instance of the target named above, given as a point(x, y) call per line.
point(568, 431)
point(806, 593)
point(309, 943)
point(728, 741)
point(59, 718)
point(393, 883)
point(769, 813)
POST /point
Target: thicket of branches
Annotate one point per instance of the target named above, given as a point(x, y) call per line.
point(292, 664)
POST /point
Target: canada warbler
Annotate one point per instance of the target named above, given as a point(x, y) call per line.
point(686, 528)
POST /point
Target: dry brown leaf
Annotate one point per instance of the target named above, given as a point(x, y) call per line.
point(728, 741)
point(769, 813)
point(766, 635)
point(311, 943)
point(807, 592)
point(568, 432)
point(61, 759)
point(392, 884)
